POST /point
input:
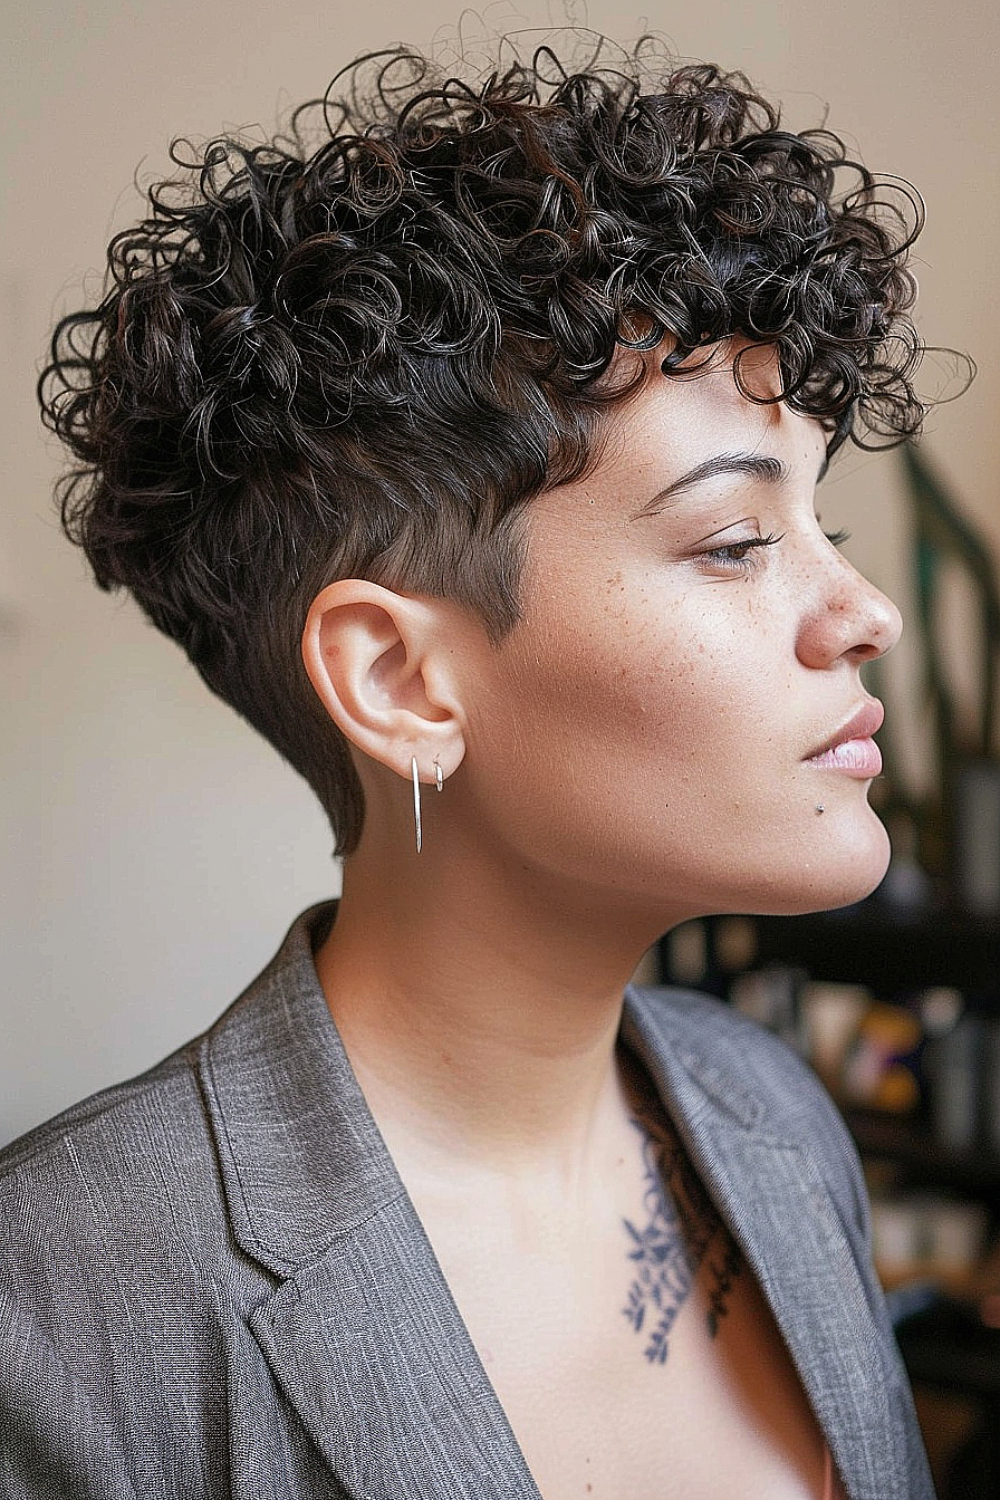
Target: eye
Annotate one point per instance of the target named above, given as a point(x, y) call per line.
point(742, 556)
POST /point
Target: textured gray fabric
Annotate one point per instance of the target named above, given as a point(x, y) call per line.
point(213, 1283)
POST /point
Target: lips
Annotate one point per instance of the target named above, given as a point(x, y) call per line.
point(851, 748)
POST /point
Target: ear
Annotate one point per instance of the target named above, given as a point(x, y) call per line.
point(380, 663)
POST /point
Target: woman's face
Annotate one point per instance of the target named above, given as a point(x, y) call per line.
point(690, 641)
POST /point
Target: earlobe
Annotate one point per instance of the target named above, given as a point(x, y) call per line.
point(379, 663)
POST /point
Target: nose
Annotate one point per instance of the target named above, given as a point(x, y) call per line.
point(850, 619)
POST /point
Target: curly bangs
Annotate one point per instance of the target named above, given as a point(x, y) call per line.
point(361, 349)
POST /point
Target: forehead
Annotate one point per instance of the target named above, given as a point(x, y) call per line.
point(721, 401)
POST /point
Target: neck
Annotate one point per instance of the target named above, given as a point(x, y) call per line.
point(479, 1014)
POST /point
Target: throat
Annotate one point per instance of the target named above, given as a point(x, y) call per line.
point(462, 1075)
point(473, 1042)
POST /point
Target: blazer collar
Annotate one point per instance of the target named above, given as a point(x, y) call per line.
point(803, 1261)
point(303, 1162)
point(362, 1333)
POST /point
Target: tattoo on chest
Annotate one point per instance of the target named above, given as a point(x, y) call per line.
point(682, 1232)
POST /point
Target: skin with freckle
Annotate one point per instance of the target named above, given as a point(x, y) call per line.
point(681, 692)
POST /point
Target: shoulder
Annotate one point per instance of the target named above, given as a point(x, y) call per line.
point(110, 1115)
point(123, 1296)
point(145, 1152)
point(112, 1222)
point(125, 1206)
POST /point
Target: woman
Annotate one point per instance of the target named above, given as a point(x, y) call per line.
point(470, 453)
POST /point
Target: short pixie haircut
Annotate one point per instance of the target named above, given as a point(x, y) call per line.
point(361, 349)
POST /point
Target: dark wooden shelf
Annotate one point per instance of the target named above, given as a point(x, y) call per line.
point(947, 1350)
point(907, 1141)
point(893, 953)
point(890, 953)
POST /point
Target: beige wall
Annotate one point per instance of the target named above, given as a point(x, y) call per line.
point(152, 848)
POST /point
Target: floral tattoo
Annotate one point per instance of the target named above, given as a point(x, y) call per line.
point(682, 1230)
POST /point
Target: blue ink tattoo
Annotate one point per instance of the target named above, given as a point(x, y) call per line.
point(681, 1227)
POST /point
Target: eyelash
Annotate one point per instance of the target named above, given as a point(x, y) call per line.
point(745, 561)
point(738, 556)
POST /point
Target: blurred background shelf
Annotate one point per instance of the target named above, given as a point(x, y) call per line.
point(896, 959)
point(892, 953)
point(910, 1144)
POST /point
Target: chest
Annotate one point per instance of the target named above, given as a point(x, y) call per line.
point(628, 1343)
point(697, 1398)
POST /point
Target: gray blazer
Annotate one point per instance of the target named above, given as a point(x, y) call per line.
point(213, 1283)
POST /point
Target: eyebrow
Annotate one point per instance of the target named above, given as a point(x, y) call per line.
point(756, 465)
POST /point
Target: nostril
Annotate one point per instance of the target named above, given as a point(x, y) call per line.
point(889, 627)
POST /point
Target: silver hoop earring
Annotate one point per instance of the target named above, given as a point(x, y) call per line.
point(439, 777)
point(416, 801)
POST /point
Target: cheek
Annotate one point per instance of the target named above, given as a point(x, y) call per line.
point(635, 694)
point(679, 676)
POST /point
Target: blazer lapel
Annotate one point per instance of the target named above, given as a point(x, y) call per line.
point(793, 1240)
point(361, 1332)
point(369, 1348)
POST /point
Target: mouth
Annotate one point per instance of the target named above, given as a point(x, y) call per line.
point(851, 749)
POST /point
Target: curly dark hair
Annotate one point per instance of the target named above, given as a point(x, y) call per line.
point(363, 355)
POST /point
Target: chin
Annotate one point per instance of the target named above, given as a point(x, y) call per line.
point(845, 872)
